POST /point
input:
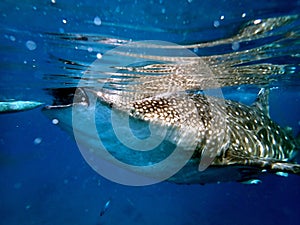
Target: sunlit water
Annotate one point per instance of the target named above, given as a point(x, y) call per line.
point(52, 44)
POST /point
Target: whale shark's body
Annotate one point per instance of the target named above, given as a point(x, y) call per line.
point(241, 146)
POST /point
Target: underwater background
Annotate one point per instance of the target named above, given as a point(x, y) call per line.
point(47, 44)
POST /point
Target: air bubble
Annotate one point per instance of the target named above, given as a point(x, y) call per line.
point(37, 141)
point(55, 121)
point(99, 55)
point(216, 23)
point(235, 46)
point(12, 38)
point(31, 45)
point(97, 21)
point(64, 21)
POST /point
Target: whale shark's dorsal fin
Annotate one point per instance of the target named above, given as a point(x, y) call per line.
point(262, 101)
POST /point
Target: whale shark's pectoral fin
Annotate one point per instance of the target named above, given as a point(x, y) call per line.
point(286, 167)
point(265, 164)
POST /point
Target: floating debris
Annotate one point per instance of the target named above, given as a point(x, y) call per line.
point(105, 207)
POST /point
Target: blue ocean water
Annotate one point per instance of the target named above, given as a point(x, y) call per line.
point(45, 44)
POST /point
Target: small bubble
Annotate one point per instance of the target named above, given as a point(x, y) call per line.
point(31, 45)
point(90, 49)
point(37, 141)
point(216, 23)
point(64, 21)
point(235, 46)
point(25, 62)
point(243, 15)
point(163, 10)
point(12, 38)
point(53, 1)
point(34, 8)
point(99, 55)
point(55, 121)
point(222, 17)
point(97, 21)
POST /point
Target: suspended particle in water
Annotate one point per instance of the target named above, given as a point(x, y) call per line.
point(31, 45)
point(53, 1)
point(189, 1)
point(243, 15)
point(55, 121)
point(163, 10)
point(216, 23)
point(97, 21)
point(37, 141)
point(90, 49)
point(235, 46)
point(222, 17)
point(64, 21)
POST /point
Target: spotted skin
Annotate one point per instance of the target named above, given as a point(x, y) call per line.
point(249, 136)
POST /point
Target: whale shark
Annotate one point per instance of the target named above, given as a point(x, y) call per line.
point(244, 145)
